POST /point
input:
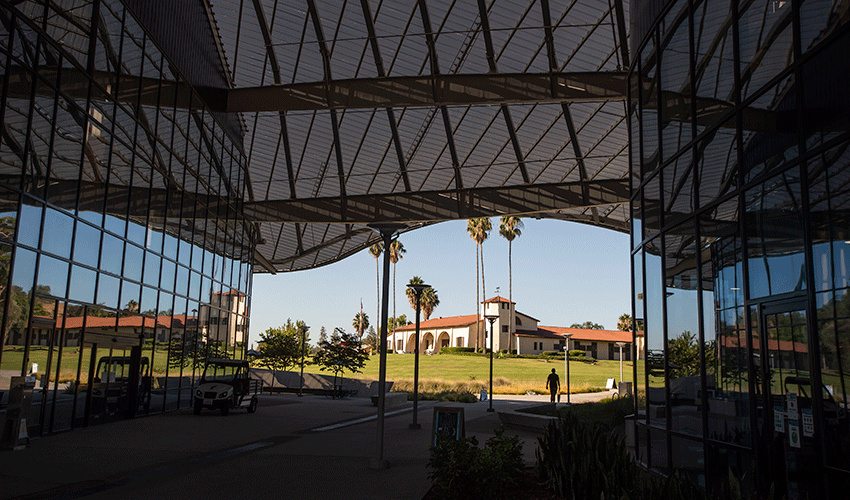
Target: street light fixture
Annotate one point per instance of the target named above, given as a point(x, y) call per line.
point(620, 345)
point(567, 363)
point(304, 329)
point(492, 319)
point(418, 289)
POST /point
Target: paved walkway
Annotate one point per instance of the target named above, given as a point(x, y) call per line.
point(275, 452)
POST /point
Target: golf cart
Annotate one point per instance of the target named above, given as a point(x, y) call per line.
point(226, 384)
point(111, 388)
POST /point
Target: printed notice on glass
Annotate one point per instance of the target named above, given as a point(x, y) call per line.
point(778, 419)
point(808, 423)
point(791, 404)
point(794, 433)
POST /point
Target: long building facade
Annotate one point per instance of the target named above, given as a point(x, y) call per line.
point(120, 195)
point(740, 161)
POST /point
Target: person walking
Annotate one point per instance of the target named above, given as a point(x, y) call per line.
point(553, 383)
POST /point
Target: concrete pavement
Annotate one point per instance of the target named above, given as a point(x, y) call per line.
point(307, 448)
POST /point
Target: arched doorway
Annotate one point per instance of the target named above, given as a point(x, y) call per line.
point(443, 341)
point(427, 342)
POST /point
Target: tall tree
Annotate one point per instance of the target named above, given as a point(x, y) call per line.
point(479, 230)
point(510, 228)
point(396, 252)
point(342, 352)
point(279, 348)
point(427, 302)
point(360, 323)
point(371, 340)
point(624, 324)
point(375, 251)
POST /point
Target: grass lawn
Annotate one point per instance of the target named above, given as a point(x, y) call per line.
point(510, 375)
point(436, 373)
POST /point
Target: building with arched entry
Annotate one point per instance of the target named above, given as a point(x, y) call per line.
point(523, 336)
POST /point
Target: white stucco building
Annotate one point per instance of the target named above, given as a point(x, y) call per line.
point(523, 334)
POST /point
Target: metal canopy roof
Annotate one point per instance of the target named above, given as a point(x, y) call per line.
point(420, 112)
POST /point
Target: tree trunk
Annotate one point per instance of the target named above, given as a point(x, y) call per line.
point(510, 299)
point(483, 297)
point(394, 342)
point(477, 302)
point(378, 280)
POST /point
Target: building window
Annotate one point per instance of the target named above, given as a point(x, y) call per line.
point(459, 342)
point(518, 321)
point(504, 328)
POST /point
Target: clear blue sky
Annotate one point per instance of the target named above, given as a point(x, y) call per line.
point(563, 273)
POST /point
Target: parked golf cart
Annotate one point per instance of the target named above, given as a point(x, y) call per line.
point(226, 384)
point(111, 388)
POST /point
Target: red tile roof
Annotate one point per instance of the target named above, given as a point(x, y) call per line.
point(451, 321)
point(591, 335)
point(498, 298)
point(773, 345)
point(74, 322)
point(538, 334)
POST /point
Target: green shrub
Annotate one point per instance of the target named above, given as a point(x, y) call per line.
point(577, 353)
point(580, 461)
point(460, 469)
point(457, 350)
point(453, 396)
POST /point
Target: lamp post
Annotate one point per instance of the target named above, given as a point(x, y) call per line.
point(304, 329)
point(417, 288)
point(567, 363)
point(620, 345)
point(491, 319)
point(387, 231)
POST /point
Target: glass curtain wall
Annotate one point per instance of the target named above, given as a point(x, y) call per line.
point(740, 167)
point(123, 262)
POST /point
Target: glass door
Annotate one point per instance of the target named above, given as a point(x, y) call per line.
point(788, 425)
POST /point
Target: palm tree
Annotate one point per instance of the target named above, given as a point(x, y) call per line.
point(624, 324)
point(396, 252)
point(360, 323)
point(427, 302)
point(479, 230)
point(375, 251)
point(510, 228)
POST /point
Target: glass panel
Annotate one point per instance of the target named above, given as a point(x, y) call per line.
point(717, 163)
point(765, 37)
point(57, 228)
point(649, 110)
point(82, 284)
point(675, 83)
point(652, 207)
point(86, 244)
point(52, 276)
point(825, 104)
point(678, 189)
point(683, 344)
point(30, 223)
point(654, 327)
point(182, 285)
point(768, 147)
point(640, 344)
point(776, 254)
point(167, 276)
point(112, 254)
point(130, 297)
point(713, 51)
point(133, 259)
point(814, 21)
point(107, 290)
point(152, 268)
